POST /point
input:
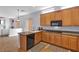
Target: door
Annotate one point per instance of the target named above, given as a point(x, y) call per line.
point(30, 24)
point(17, 24)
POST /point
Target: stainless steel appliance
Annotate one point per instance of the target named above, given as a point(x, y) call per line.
point(56, 23)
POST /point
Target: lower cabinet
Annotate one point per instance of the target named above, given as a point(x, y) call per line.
point(23, 42)
point(78, 44)
point(65, 41)
point(69, 41)
point(45, 36)
point(37, 37)
point(57, 38)
point(51, 38)
point(72, 42)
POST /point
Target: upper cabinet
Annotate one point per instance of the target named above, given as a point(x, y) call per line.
point(58, 15)
point(42, 20)
point(66, 17)
point(69, 17)
point(47, 19)
point(75, 16)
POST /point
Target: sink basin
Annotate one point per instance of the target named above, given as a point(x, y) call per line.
point(35, 31)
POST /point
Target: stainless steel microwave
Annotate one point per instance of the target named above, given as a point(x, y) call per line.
point(56, 23)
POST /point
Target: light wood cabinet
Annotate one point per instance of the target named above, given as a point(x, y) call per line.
point(23, 42)
point(47, 19)
point(66, 17)
point(69, 41)
point(78, 44)
point(65, 41)
point(72, 42)
point(75, 16)
point(42, 20)
point(57, 38)
point(58, 15)
point(51, 38)
point(37, 37)
point(45, 36)
point(52, 16)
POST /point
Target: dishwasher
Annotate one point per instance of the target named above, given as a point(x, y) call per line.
point(30, 40)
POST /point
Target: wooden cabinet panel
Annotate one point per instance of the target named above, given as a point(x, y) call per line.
point(23, 42)
point(75, 16)
point(69, 42)
point(42, 20)
point(45, 36)
point(65, 41)
point(78, 44)
point(52, 16)
point(66, 17)
point(72, 42)
point(38, 37)
point(51, 38)
point(47, 19)
point(57, 38)
point(58, 15)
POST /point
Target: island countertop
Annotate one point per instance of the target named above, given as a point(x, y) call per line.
point(29, 32)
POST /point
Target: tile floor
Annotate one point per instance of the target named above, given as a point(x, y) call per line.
point(45, 47)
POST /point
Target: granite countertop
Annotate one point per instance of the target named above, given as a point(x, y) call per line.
point(63, 29)
point(29, 32)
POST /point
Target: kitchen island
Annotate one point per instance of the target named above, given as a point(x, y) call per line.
point(29, 39)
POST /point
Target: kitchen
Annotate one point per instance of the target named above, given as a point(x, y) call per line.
point(40, 31)
point(59, 28)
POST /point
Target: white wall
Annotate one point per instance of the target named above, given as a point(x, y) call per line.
point(36, 20)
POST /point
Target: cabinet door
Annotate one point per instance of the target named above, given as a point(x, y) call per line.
point(58, 15)
point(42, 19)
point(45, 36)
point(57, 38)
point(78, 44)
point(23, 42)
point(75, 16)
point(52, 16)
point(72, 42)
point(47, 19)
point(37, 37)
point(52, 40)
point(66, 17)
point(65, 41)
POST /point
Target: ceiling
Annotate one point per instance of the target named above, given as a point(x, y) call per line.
point(11, 11)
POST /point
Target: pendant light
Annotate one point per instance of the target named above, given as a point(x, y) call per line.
point(18, 15)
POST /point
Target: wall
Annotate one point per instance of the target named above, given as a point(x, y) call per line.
point(36, 20)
